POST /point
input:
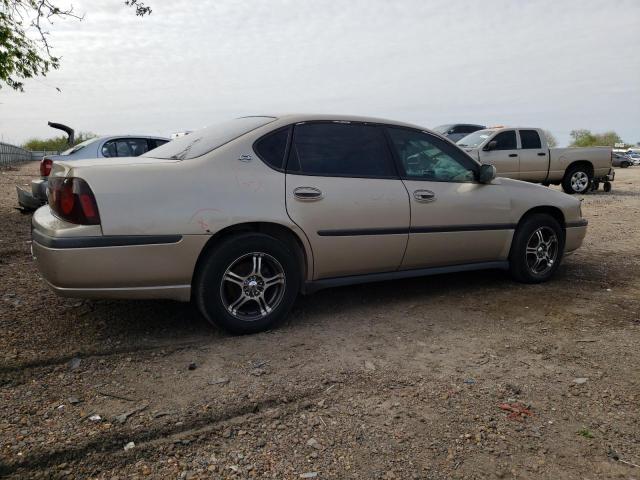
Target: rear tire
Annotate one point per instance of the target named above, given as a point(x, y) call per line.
point(536, 250)
point(625, 165)
point(577, 179)
point(248, 283)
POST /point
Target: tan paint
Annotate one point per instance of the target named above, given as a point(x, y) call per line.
point(199, 197)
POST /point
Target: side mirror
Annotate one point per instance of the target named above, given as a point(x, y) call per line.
point(487, 173)
point(490, 146)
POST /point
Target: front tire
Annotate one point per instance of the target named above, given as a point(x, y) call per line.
point(577, 179)
point(248, 283)
point(537, 249)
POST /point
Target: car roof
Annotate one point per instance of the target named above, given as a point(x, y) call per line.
point(288, 118)
point(110, 137)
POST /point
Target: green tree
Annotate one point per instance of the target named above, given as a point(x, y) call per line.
point(585, 138)
point(551, 140)
point(25, 51)
point(55, 144)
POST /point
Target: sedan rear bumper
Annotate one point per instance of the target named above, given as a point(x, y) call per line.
point(126, 267)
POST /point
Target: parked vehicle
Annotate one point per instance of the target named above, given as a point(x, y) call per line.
point(523, 154)
point(457, 131)
point(634, 157)
point(621, 161)
point(242, 216)
point(99, 147)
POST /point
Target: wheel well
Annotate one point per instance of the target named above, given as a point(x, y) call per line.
point(555, 212)
point(583, 163)
point(282, 233)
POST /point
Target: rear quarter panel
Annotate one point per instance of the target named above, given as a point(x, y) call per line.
point(561, 158)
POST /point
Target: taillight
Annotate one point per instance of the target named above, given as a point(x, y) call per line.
point(45, 166)
point(72, 200)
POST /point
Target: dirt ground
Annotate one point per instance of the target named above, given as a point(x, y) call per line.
point(394, 380)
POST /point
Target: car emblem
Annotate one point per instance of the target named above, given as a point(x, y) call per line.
point(245, 158)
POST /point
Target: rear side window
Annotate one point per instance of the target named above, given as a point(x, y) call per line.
point(155, 143)
point(506, 140)
point(125, 147)
point(340, 149)
point(272, 147)
point(530, 139)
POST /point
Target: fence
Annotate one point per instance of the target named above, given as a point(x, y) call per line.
point(11, 155)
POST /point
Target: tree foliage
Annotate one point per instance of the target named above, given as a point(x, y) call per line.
point(25, 51)
point(585, 138)
point(551, 140)
point(55, 144)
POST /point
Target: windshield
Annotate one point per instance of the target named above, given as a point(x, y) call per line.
point(475, 139)
point(207, 139)
point(441, 129)
point(79, 146)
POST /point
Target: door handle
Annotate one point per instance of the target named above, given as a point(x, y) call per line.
point(307, 194)
point(513, 154)
point(424, 196)
point(542, 154)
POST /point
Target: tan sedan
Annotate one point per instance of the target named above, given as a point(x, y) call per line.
point(242, 216)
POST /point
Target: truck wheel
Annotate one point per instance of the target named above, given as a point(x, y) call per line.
point(625, 165)
point(595, 185)
point(606, 186)
point(536, 250)
point(248, 283)
point(576, 180)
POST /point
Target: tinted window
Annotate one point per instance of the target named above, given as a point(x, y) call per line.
point(338, 149)
point(466, 129)
point(505, 140)
point(155, 143)
point(272, 147)
point(425, 157)
point(125, 147)
point(530, 139)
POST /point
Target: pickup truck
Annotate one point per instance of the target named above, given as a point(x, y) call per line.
point(523, 154)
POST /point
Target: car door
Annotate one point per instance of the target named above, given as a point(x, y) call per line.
point(534, 159)
point(504, 155)
point(343, 191)
point(454, 219)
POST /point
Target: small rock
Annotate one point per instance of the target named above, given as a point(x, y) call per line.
point(95, 418)
point(312, 442)
point(309, 475)
point(193, 366)
point(369, 365)
point(73, 400)
point(258, 372)
point(129, 446)
point(74, 363)
point(580, 380)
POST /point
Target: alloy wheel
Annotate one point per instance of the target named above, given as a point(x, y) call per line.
point(542, 250)
point(579, 182)
point(252, 286)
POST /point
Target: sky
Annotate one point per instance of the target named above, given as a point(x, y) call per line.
point(558, 65)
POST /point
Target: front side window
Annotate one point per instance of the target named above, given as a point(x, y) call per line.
point(505, 140)
point(530, 139)
point(340, 149)
point(425, 157)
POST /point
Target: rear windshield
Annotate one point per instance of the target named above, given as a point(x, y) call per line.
point(79, 146)
point(475, 139)
point(441, 129)
point(203, 141)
